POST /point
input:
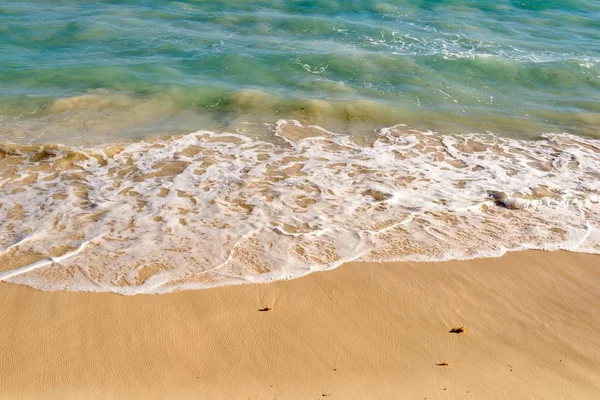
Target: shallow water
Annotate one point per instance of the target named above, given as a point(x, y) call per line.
point(84, 72)
point(320, 134)
point(208, 209)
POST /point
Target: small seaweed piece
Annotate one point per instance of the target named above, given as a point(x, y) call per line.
point(265, 309)
point(326, 394)
point(458, 330)
point(443, 364)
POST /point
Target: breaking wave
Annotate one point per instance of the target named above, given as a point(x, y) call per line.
point(208, 209)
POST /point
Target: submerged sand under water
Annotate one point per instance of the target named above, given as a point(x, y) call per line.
point(208, 209)
point(100, 116)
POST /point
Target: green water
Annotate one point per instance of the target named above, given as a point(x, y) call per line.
point(87, 71)
point(262, 193)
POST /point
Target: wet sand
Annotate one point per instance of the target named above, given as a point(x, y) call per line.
point(362, 331)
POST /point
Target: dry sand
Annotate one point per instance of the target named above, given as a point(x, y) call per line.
point(363, 331)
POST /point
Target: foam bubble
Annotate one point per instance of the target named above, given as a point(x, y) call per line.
point(208, 209)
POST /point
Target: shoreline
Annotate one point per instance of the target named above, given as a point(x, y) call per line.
point(359, 331)
point(206, 208)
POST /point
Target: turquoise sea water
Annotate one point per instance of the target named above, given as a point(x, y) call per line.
point(154, 146)
point(159, 67)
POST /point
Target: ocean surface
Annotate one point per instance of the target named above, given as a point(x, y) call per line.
point(167, 145)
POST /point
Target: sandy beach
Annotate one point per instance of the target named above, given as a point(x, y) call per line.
point(362, 331)
point(171, 171)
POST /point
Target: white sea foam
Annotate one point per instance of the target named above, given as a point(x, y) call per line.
point(208, 209)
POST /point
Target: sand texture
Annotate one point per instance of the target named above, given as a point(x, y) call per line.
point(362, 331)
